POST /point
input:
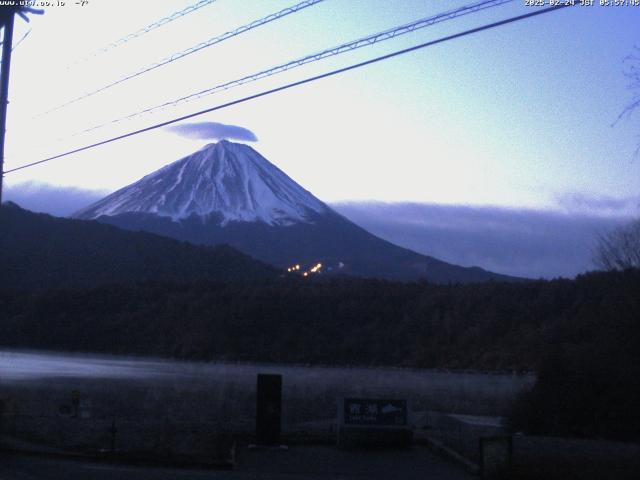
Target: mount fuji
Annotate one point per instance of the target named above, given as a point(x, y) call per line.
point(227, 193)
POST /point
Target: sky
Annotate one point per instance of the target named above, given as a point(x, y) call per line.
point(520, 118)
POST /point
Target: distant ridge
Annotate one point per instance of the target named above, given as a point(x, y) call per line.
point(38, 251)
point(228, 193)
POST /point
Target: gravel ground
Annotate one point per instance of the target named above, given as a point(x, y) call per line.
point(304, 463)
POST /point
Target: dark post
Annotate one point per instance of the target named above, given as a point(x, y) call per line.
point(75, 401)
point(113, 430)
point(268, 409)
point(495, 457)
point(1, 418)
point(7, 41)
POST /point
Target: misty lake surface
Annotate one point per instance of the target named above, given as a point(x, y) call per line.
point(460, 391)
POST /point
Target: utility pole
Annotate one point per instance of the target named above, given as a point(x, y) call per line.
point(7, 41)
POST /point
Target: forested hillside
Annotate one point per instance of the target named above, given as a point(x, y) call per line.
point(365, 322)
point(38, 251)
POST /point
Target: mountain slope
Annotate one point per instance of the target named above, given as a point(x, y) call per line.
point(229, 193)
point(230, 180)
point(41, 251)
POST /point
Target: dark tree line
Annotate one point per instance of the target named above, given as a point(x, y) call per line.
point(339, 321)
point(582, 336)
point(367, 322)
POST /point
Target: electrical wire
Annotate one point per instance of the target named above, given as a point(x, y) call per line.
point(15, 45)
point(152, 26)
point(22, 39)
point(177, 56)
point(298, 83)
point(330, 52)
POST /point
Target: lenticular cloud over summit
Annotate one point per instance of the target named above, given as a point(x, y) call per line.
point(213, 131)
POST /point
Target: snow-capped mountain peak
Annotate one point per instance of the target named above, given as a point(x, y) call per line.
point(225, 179)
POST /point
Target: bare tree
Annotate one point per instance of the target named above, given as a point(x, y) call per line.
point(619, 249)
point(632, 72)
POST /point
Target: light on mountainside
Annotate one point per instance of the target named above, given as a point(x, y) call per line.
point(317, 268)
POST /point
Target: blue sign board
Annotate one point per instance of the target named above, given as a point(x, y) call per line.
point(374, 412)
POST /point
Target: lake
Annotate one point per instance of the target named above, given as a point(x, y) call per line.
point(309, 392)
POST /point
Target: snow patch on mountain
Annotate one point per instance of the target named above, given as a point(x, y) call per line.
point(225, 178)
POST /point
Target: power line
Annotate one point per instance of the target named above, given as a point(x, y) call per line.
point(330, 52)
point(22, 39)
point(152, 26)
point(176, 56)
point(297, 83)
point(22, 13)
point(16, 44)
